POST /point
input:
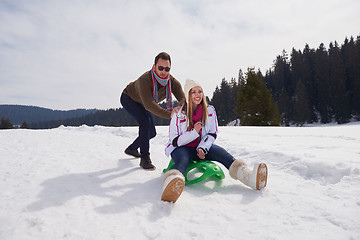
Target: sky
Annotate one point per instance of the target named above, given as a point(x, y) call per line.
point(82, 53)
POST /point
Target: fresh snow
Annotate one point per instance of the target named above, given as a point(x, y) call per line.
point(76, 183)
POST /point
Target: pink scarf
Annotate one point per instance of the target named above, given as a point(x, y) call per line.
point(196, 118)
point(163, 82)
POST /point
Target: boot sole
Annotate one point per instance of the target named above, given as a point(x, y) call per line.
point(261, 178)
point(148, 169)
point(173, 190)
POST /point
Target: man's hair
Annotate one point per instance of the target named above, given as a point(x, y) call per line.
point(162, 55)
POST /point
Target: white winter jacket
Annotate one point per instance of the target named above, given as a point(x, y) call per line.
point(179, 136)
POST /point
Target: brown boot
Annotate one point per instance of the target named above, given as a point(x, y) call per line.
point(146, 163)
point(173, 185)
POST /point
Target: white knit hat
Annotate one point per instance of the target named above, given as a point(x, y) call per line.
point(189, 84)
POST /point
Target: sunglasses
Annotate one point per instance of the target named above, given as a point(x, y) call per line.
point(161, 68)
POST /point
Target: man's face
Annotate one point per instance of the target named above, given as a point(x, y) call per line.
point(164, 65)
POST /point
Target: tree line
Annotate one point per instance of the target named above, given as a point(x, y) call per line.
point(5, 123)
point(20, 113)
point(112, 118)
point(313, 85)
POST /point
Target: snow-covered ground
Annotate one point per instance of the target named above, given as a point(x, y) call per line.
point(76, 183)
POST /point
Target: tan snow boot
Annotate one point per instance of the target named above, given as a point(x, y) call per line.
point(256, 178)
point(173, 185)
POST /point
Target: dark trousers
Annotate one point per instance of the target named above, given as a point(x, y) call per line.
point(183, 155)
point(146, 124)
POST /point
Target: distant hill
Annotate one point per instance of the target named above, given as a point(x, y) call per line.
point(32, 114)
point(111, 117)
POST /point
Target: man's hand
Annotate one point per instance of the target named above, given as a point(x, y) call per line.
point(175, 110)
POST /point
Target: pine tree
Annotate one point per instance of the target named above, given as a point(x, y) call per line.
point(339, 101)
point(25, 125)
point(255, 105)
point(224, 101)
point(350, 52)
point(282, 87)
point(6, 124)
point(282, 74)
point(321, 84)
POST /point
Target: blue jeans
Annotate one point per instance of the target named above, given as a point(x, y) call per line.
point(147, 129)
point(183, 155)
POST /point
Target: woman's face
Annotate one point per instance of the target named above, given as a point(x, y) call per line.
point(196, 95)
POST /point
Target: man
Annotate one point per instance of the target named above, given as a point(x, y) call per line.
point(141, 97)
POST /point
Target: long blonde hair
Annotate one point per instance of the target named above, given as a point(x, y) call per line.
point(189, 110)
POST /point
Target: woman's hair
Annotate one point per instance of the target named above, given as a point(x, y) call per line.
point(189, 111)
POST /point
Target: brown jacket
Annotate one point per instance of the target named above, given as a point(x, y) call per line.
point(141, 91)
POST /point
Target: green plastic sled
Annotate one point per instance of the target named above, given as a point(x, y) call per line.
point(208, 169)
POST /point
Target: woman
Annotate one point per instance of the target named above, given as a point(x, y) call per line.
point(192, 133)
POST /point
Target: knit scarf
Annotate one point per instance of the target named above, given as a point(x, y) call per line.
point(163, 82)
point(196, 118)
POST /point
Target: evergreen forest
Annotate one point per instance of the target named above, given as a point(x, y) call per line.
point(309, 86)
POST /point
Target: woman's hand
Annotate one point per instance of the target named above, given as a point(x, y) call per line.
point(201, 153)
point(198, 126)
